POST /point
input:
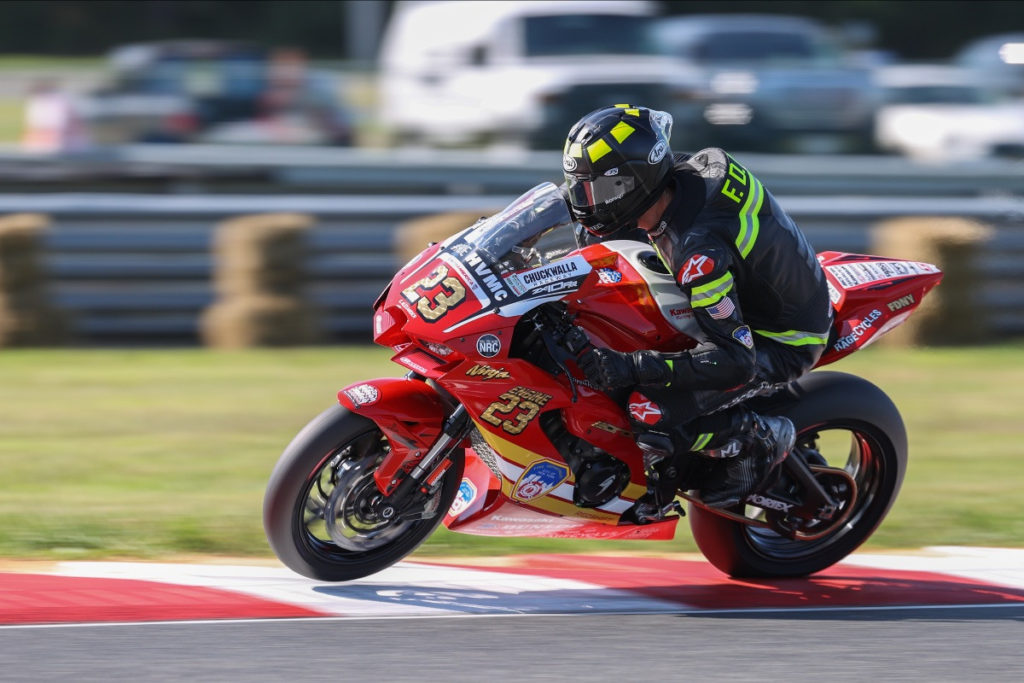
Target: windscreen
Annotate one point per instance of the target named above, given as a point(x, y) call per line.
point(532, 230)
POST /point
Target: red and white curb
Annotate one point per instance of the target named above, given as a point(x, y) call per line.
point(90, 592)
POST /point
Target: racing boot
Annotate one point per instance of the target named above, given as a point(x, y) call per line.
point(765, 447)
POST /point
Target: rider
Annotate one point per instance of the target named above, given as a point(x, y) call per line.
point(755, 286)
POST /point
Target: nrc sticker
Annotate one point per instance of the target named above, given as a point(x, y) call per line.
point(539, 479)
point(488, 346)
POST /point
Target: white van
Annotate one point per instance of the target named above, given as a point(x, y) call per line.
point(522, 72)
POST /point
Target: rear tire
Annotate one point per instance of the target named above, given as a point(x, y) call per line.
point(340, 448)
point(827, 402)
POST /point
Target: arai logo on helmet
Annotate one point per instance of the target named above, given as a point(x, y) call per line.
point(657, 152)
point(488, 346)
point(568, 163)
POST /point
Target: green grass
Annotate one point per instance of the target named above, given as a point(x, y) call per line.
point(151, 453)
point(12, 120)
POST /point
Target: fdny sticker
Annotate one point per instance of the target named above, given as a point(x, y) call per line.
point(463, 497)
point(363, 394)
point(539, 479)
point(699, 265)
point(608, 276)
point(643, 409)
point(743, 336)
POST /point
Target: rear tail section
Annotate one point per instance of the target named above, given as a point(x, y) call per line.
point(871, 295)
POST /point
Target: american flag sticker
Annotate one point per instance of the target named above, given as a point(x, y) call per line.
point(723, 309)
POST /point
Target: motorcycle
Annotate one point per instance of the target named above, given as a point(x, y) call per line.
point(495, 431)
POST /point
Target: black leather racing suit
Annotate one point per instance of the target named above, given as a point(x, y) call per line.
point(757, 292)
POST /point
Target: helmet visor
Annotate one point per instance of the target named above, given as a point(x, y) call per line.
point(591, 193)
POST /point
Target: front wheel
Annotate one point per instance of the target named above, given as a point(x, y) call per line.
point(322, 510)
point(842, 421)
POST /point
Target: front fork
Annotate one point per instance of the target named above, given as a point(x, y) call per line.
point(427, 473)
point(419, 429)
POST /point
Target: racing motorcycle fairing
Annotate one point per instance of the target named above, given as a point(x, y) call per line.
point(481, 507)
point(458, 314)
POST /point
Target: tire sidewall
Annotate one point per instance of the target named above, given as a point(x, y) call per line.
point(288, 485)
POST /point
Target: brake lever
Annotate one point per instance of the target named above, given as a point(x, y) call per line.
point(558, 353)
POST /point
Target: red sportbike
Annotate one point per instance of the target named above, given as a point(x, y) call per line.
point(495, 431)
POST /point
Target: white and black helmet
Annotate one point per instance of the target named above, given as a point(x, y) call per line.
point(616, 162)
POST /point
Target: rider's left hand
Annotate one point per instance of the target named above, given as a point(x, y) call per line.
point(608, 369)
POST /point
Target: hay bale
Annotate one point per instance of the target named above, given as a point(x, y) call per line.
point(248, 321)
point(260, 278)
point(33, 327)
point(951, 313)
point(285, 280)
point(413, 236)
point(21, 246)
point(261, 254)
point(27, 316)
point(22, 230)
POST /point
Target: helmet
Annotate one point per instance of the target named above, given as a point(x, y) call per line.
point(616, 161)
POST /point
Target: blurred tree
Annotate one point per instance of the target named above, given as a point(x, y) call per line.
point(914, 29)
point(63, 27)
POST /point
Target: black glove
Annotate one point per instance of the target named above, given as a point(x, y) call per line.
point(609, 370)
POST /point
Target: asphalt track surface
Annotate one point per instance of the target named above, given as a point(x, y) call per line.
point(945, 614)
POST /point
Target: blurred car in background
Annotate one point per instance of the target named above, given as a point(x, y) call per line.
point(997, 63)
point(214, 91)
point(940, 113)
point(770, 82)
point(517, 72)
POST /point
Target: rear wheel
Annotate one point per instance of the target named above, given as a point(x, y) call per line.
point(323, 514)
point(842, 421)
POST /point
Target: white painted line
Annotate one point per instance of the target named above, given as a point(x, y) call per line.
point(680, 610)
point(999, 566)
point(406, 589)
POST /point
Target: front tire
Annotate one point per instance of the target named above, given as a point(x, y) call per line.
point(316, 513)
point(827, 404)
